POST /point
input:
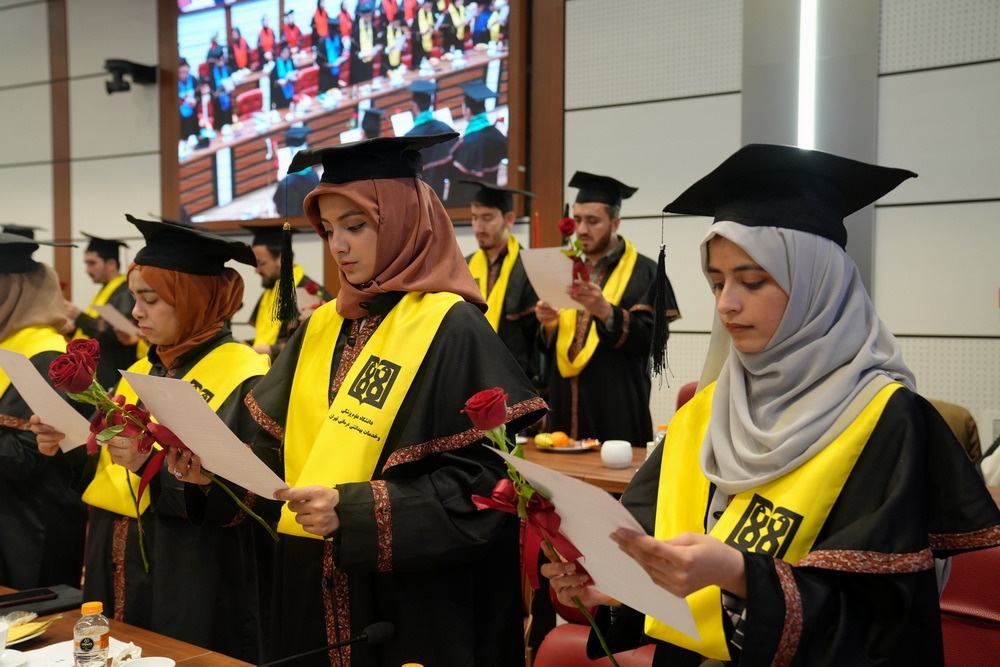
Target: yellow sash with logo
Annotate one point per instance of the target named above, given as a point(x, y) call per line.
point(366, 39)
point(780, 518)
point(215, 376)
point(329, 444)
point(425, 21)
point(395, 41)
point(102, 298)
point(458, 19)
point(266, 328)
point(30, 341)
point(613, 290)
point(479, 265)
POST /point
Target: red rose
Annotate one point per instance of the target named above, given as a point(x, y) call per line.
point(567, 227)
point(312, 288)
point(580, 270)
point(165, 436)
point(487, 409)
point(71, 373)
point(87, 348)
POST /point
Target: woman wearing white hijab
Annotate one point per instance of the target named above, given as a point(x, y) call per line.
point(803, 494)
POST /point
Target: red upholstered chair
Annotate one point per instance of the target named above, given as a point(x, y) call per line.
point(307, 83)
point(306, 41)
point(970, 611)
point(685, 393)
point(566, 646)
point(249, 102)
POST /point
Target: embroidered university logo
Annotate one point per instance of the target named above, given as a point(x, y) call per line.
point(765, 529)
point(374, 382)
point(207, 394)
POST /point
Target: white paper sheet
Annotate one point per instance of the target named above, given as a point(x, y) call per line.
point(177, 405)
point(44, 401)
point(588, 517)
point(550, 272)
point(117, 321)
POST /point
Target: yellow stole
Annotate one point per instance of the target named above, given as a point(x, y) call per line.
point(613, 290)
point(479, 265)
point(266, 327)
point(494, 24)
point(780, 518)
point(425, 21)
point(458, 17)
point(395, 54)
point(30, 341)
point(215, 376)
point(102, 298)
point(340, 442)
point(366, 39)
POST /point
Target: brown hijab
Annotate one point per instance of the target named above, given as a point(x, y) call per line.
point(208, 302)
point(416, 250)
point(30, 299)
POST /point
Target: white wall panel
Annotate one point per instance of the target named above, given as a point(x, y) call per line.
point(103, 191)
point(26, 130)
point(660, 148)
point(103, 29)
point(121, 124)
point(943, 125)
point(26, 193)
point(24, 33)
point(632, 51)
point(919, 34)
point(965, 371)
point(936, 271)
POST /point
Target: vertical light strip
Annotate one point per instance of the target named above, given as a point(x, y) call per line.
point(807, 73)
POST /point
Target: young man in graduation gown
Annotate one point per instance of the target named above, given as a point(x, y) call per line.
point(366, 44)
point(293, 187)
point(482, 147)
point(499, 273)
point(119, 350)
point(361, 414)
point(599, 385)
point(270, 334)
point(42, 520)
point(437, 158)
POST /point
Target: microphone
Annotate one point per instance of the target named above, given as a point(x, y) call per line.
point(376, 633)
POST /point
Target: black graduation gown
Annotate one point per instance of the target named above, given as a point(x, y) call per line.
point(361, 71)
point(477, 154)
point(437, 158)
point(202, 586)
point(42, 520)
point(451, 588)
point(911, 489)
point(114, 355)
point(612, 391)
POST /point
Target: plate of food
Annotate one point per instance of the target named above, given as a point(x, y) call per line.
point(558, 442)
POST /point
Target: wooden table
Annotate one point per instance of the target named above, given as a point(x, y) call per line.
point(151, 643)
point(586, 466)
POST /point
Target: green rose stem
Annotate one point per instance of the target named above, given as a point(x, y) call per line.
point(242, 505)
point(498, 436)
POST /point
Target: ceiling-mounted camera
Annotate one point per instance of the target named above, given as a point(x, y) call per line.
point(141, 74)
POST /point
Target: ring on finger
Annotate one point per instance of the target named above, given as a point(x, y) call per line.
point(178, 474)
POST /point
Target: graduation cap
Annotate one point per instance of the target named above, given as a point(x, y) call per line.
point(365, 7)
point(371, 123)
point(187, 249)
point(494, 196)
point(267, 235)
point(27, 231)
point(382, 157)
point(290, 13)
point(769, 185)
point(16, 250)
point(477, 92)
point(296, 135)
point(600, 189)
point(423, 92)
point(105, 248)
point(215, 53)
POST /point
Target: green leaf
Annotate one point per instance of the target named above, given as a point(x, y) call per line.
point(109, 433)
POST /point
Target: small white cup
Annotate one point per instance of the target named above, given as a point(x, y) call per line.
point(3, 637)
point(616, 453)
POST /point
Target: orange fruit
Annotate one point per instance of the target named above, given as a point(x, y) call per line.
point(560, 439)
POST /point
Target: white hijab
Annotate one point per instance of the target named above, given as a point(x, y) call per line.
point(774, 410)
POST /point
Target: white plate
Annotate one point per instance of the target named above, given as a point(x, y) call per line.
point(12, 658)
point(18, 641)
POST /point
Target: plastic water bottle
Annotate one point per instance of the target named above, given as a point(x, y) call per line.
point(91, 635)
point(661, 435)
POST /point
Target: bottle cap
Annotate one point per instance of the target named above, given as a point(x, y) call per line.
point(661, 427)
point(92, 608)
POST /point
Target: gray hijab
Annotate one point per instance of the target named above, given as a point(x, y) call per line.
point(774, 410)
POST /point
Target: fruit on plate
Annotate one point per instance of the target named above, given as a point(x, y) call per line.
point(560, 439)
point(543, 439)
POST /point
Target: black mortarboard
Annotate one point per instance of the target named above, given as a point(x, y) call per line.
point(600, 189)
point(27, 231)
point(478, 91)
point(494, 196)
point(423, 91)
point(16, 251)
point(371, 122)
point(768, 185)
point(188, 250)
point(105, 248)
point(215, 53)
point(365, 7)
point(289, 12)
point(269, 235)
point(296, 135)
point(383, 157)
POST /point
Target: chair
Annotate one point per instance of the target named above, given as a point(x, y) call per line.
point(566, 646)
point(307, 83)
point(685, 393)
point(970, 615)
point(249, 101)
